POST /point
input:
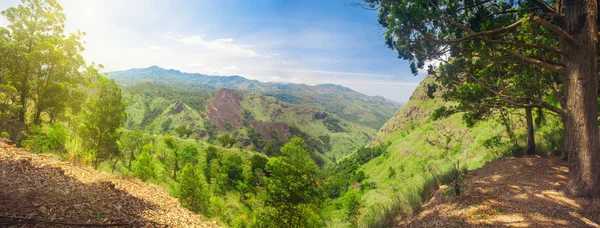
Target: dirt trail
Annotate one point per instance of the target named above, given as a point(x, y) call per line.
point(511, 192)
point(39, 187)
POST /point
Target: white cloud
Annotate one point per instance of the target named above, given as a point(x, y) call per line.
point(224, 71)
point(334, 72)
point(224, 45)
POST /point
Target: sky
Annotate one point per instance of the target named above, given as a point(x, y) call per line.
point(311, 42)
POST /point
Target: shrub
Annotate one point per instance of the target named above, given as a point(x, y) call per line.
point(5, 135)
point(143, 167)
point(41, 142)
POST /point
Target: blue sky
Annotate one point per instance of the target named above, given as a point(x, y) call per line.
point(310, 42)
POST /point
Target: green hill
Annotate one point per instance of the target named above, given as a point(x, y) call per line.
point(371, 111)
point(163, 108)
point(419, 154)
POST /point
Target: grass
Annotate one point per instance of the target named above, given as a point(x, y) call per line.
point(423, 153)
point(269, 109)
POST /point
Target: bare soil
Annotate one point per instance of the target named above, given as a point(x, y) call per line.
point(38, 190)
point(511, 192)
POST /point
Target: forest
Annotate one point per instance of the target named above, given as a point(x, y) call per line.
point(504, 79)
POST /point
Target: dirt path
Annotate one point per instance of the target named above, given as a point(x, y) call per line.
point(511, 192)
point(38, 187)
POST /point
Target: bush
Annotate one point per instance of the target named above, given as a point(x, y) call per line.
point(143, 167)
point(193, 190)
point(5, 135)
point(226, 140)
point(41, 142)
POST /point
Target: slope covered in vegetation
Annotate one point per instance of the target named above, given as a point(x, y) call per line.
point(163, 108)
point(421, 152)
point(371, 111)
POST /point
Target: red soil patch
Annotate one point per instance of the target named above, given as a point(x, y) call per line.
point(225, 106)
point(265, 130)
point(511, 192)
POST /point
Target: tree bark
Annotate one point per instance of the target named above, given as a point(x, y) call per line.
point(581, 85)
point(530, 132)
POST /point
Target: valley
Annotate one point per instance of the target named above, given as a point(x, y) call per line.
point(260, 118)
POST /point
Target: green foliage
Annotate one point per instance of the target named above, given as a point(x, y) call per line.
point(292, 186)
point(5, 135)
point(211, 155)
point(233, 168)
point(189, 154)
point(211, 129)
point(226, 140)
point(165, 126)
point(183, 132)
point(104, 113)
point(258, 162)
point(333, 125)
point(42, 142)
point(143, 167)
point(352, 206)
point(40, 61)
point(247, 117)
point(255, 138)
point(228, 125)
point(193, 190)
point(391, 172)
point(131, 144)
point(442, 112)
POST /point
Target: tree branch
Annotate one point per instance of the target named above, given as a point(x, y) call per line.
point(546, 8)
point(469, 37)
point(535, 61)
point(559, 31)
point(534, 46)
point(504, 98)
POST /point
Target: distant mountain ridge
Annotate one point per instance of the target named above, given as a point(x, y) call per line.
point(371, 111)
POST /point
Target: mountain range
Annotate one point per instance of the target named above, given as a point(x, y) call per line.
point(371, 111)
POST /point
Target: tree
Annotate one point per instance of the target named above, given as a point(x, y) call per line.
point(211, 129)
point(143, 167)
point(226, 140)
point(42, 62)
point(193, 191)
point(132, 142)
point(258, 162)
point(189, 154)
point(352, 206)
point(171, 144)
point(560, 38)
point(104, 113)
point(210, 154)
point(293, 185)
point(233, 167)
point(183, 132)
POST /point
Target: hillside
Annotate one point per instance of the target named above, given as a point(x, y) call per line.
point(422, 153)
point(40, 190)
point(163, 108)
point(515, 192)
point(372, 111)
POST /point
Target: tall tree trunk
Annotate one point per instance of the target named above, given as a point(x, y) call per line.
point(114, 165)
point(530, 133)
point(581, 85)
point(37, 118)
